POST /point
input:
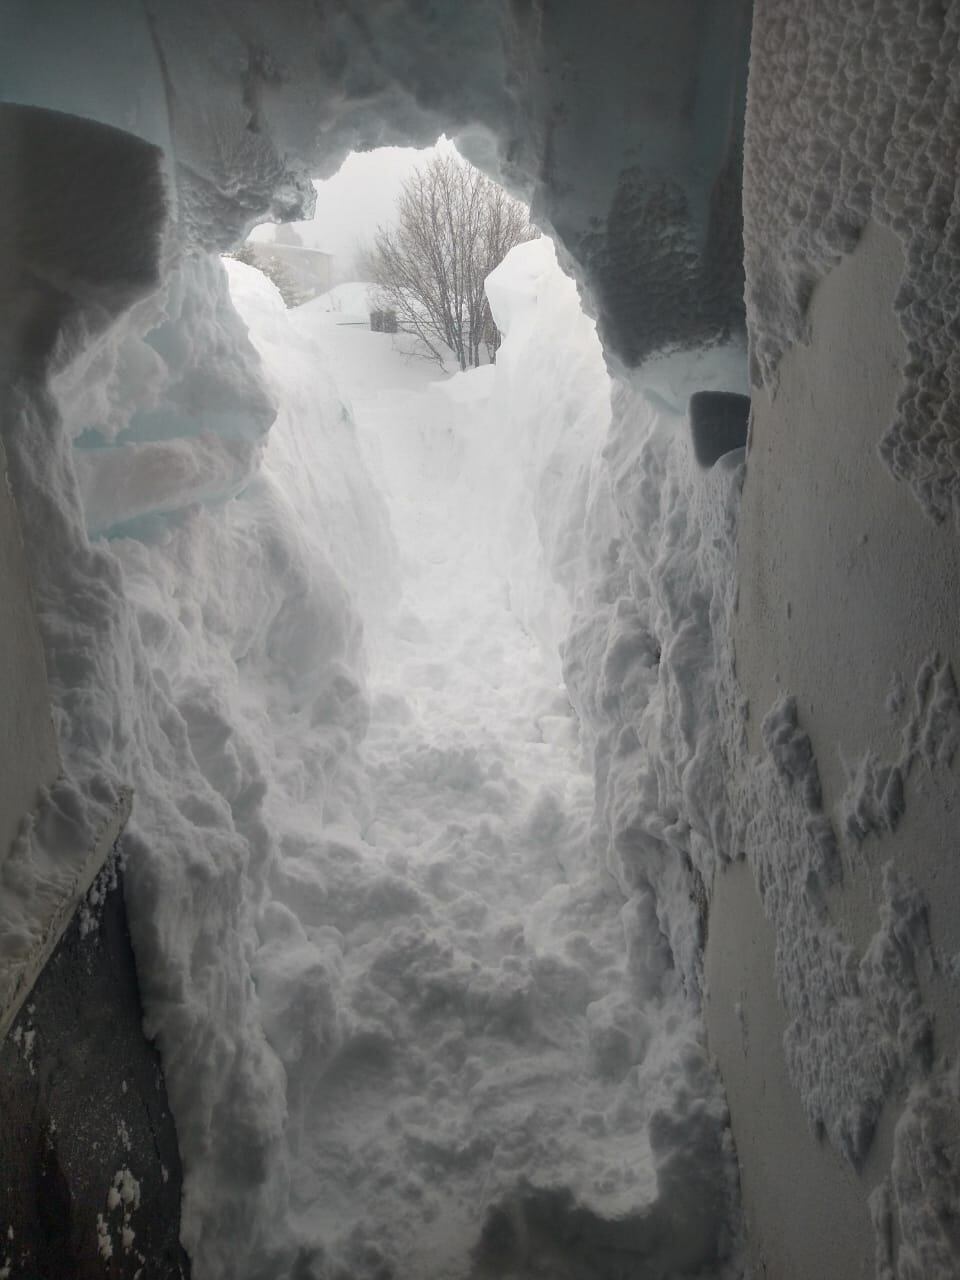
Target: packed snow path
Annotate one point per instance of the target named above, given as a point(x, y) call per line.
point(490, 1032)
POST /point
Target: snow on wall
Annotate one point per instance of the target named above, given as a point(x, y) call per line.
point(853, 115)
point(28, 739)
point(642, 668)
point(216, 691)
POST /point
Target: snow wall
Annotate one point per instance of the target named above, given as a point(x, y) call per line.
point(210, 652)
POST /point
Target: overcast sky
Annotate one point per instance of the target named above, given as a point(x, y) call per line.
point(355, 201)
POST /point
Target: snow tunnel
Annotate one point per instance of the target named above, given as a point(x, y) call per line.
point(417, 898)
point(416, 794)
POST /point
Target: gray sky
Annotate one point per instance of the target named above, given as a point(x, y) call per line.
point(352, 203)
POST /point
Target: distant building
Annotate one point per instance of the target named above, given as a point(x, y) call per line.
point(310, 271)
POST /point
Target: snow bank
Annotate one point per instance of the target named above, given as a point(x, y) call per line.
point(399, 999)
point(170, 409)
point(555, 463)
point(254, 647)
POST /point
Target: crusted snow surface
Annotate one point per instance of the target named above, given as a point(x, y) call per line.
point(853, 115)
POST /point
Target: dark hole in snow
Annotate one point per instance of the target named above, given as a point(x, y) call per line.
point(718, 423)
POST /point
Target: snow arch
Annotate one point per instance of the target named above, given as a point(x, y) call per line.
point(620, 125)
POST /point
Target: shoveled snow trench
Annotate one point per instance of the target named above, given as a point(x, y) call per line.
point(485, 1091)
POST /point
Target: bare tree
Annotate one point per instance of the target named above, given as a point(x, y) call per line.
point(453, 227)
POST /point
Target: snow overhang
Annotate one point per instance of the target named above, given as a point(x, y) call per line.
point(622, 125)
